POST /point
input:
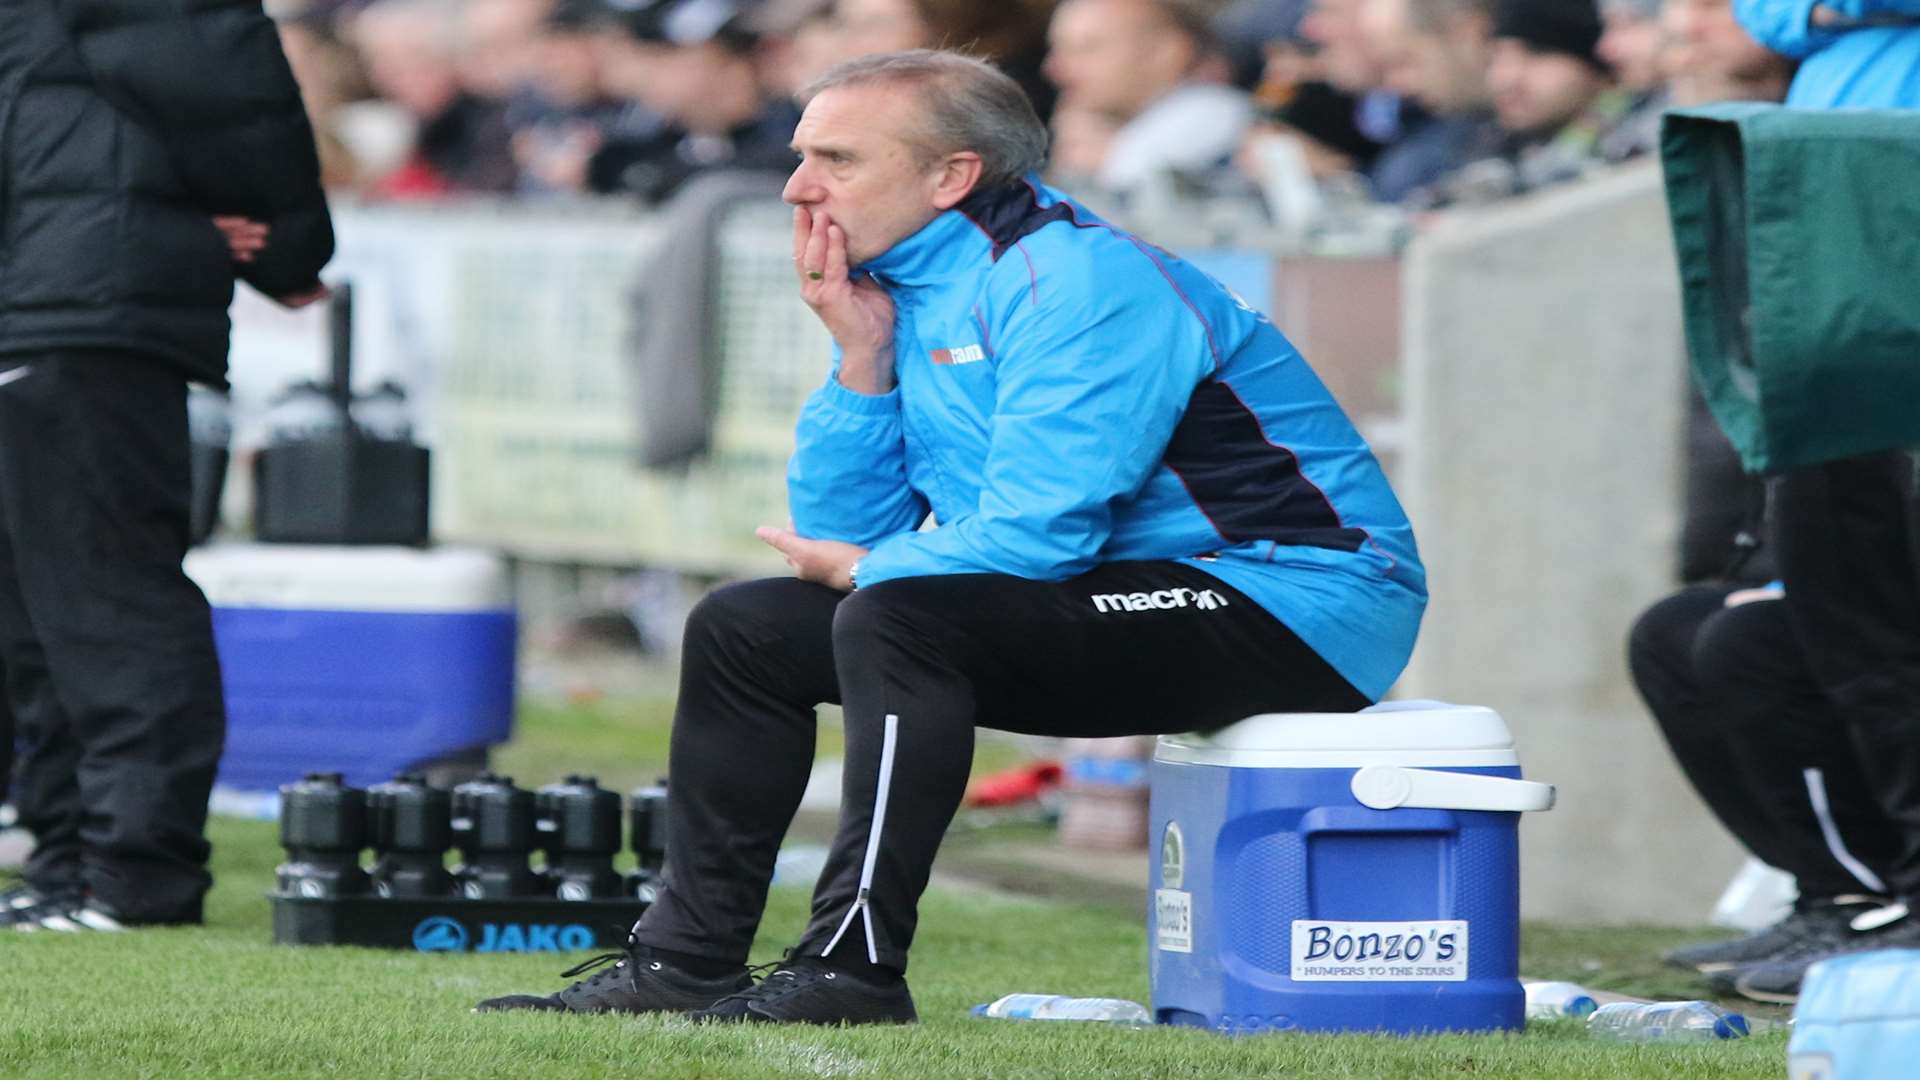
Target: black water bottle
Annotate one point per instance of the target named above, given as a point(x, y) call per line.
point(648, 811)
point(411, 827)
point(493, 825)
point(323, 826)
point(579, 824)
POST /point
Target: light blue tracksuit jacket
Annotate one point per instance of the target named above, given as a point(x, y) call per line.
point(1069, 395)
point(1874, 64)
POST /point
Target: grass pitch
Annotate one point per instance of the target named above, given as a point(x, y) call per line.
point(222, 1001)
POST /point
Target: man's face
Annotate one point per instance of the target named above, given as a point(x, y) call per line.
point(407, 65)
point(1345, 59)
point(1445, 71)
point(1708, 53)
point(858, 166)
point(1632, 45)
point(705, 88)
point(1538, 93)
point(1111, 56)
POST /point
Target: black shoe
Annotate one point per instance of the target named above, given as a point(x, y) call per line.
point(804, 990)
point(1778, 980)
point(24, 904)
point(1814, 926)
point(73, 915)
point(638, 982)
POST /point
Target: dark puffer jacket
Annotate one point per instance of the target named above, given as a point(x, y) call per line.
point(125, 125)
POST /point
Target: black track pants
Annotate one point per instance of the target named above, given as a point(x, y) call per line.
point(1849, 553)
point(917, 664)
point(107, 644)
point(1761, 742)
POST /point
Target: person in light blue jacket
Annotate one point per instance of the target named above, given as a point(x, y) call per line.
point(1854, 54)
point(1057, 482)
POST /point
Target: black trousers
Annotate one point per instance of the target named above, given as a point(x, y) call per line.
point(917, 664)
point(107, 644)
point(1849, 552)
point(1760, 740)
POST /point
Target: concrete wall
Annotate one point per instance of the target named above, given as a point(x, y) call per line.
point(1543, 397)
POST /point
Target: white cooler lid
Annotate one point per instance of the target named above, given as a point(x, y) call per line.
point(1415, 733)
point(320, 577)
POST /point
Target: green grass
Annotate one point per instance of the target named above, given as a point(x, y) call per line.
point(221, 1001)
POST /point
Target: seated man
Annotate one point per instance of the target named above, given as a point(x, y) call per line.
point(1727, 679)
point(1152, 518)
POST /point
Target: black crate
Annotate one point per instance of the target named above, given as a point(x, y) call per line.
point(452, 924)
point(342, 488)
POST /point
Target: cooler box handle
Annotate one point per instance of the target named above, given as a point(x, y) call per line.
point(1388, 787)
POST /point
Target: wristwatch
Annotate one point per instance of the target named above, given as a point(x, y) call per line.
point(853, 576)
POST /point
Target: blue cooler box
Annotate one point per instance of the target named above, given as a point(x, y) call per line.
point(361, 660)
point(1340, 872)
point(1858, 1018)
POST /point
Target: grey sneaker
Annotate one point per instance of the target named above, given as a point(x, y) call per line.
point(637, 982)
point(1778, 980)
point(1813, 925)
point(804, 990)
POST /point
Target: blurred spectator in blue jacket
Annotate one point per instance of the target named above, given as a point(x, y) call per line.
point(1437, 53)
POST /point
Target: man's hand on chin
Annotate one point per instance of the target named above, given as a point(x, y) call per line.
point(823, 562)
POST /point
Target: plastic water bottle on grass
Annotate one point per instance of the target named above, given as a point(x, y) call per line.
point(1559, 1000)
point(1666, 1021)
point(1061, 1007)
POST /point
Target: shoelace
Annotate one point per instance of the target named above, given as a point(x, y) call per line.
point(628, 952)
point(764, 976)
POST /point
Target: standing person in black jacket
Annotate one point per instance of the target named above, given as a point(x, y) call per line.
point(149, 154)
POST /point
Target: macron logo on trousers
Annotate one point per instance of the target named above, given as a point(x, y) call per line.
point(1160, 600)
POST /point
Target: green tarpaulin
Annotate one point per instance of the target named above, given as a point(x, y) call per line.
point(1799, 241)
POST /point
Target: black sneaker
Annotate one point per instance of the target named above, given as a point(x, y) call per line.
point(1778, 980)
point(1814, 926)
point(24, 904)
point(804, 990)
point(636, 983)
point(73, 915)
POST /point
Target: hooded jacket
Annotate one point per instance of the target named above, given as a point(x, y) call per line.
point(1068, 395)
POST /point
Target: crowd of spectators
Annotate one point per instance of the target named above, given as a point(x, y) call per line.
point(1419, 103)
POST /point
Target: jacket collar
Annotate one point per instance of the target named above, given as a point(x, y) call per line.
point(953, 243)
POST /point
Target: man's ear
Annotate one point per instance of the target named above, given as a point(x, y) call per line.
point(958, 176)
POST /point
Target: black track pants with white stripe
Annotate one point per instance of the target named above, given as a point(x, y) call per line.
point(1760, 741)
point(917, 664)
point(1848, 540)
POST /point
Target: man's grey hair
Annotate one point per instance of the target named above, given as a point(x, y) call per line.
point(967, 104)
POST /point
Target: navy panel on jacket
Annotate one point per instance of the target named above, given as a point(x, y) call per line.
point(1248, 487)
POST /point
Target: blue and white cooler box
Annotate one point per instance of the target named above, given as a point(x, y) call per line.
point(362, 660)
point(1340, 872)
